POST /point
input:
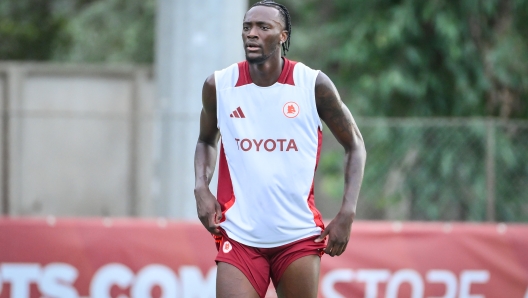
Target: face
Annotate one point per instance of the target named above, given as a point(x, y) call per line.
point(262, 33)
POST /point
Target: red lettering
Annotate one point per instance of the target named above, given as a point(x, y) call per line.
point(249, 144)
point(281, 142)
point(266, 145)
point(292, 145)
point(269, 144)
point(257, 144)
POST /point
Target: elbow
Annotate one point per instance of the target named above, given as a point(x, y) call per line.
point(357, 148)
point(361, 150)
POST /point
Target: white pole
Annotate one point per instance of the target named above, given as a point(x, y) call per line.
point(194, 38)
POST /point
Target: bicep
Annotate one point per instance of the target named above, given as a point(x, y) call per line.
point(335, 113)
point(209, 132)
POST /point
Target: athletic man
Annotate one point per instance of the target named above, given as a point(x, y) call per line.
point(268, 111)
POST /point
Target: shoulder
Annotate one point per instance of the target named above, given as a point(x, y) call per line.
point(209, 93)
point(302, 74)
point(324, 87)
point(323, 81)
point(298, 66)
point(210, 82)
point(227, 77)
point(326, 94)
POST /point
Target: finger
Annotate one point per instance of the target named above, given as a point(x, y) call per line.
point(344, 248)
point(322, 236)
point(218, 213)
point(214, 222)
point(336, 248)
point(212, 219)
point(331, 251)
point(340, 250)
point(330, 248)
point(215, 231)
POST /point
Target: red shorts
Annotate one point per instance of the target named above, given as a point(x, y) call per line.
point(261, 264)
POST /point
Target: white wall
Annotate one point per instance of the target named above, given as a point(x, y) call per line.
point(79, 140)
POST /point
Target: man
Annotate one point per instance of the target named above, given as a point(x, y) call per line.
point(268, 111)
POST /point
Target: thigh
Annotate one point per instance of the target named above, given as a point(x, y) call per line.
point(242, 270)
point(301, 278)
point(231, 282)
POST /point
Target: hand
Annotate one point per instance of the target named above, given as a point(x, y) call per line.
point(338, 232)
point(209, 211)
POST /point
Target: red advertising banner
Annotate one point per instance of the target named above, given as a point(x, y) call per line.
point(135, 258)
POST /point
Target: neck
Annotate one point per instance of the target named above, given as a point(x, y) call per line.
point(268, 72)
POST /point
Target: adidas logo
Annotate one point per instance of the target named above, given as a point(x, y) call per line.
point(237, 113)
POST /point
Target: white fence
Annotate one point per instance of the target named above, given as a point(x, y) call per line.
point(76, 140)
point(456, 169)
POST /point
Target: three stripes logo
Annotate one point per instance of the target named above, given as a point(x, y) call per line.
point(237, 113)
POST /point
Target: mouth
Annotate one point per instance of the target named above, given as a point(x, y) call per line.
point(251, 47)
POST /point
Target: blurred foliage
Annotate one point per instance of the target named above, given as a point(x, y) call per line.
point(424, 156)
point(438, 169)
point(78, 30)
point(419, 58)
point(28, 30)
point(111, 31)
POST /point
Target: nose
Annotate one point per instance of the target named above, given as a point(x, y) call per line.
point(252, 33)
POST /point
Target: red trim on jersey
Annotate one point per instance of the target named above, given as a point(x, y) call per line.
point(318, 219)
point(243, 74)
point(286, 76)
point(225, 194)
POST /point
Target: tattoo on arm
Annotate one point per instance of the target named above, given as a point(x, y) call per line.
point(339, 120)
point(335, 113)
point(331, 110)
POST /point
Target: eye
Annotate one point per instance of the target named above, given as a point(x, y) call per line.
point(245, 28)
point(264, 27)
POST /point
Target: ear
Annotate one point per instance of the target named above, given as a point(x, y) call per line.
point(283, 36)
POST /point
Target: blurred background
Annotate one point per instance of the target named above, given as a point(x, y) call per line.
point(100, 102)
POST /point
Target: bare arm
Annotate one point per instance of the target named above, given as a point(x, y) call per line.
point(207, 206)
point(341, 123)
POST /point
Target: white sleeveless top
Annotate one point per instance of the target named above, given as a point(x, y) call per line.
point(271, 140)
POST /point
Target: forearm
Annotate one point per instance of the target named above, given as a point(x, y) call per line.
point(207, 207)
point(354, 167)
point(204, 164)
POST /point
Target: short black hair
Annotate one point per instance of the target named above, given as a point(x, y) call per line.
point(285, 14)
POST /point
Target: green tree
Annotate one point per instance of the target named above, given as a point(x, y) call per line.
point(110, 31)
point(28, 30)
point(120, 31)
point(419, 58)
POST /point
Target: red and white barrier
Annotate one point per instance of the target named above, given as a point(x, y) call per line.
point(118, 258)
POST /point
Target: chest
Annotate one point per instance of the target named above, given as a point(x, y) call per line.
point(276, 106)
